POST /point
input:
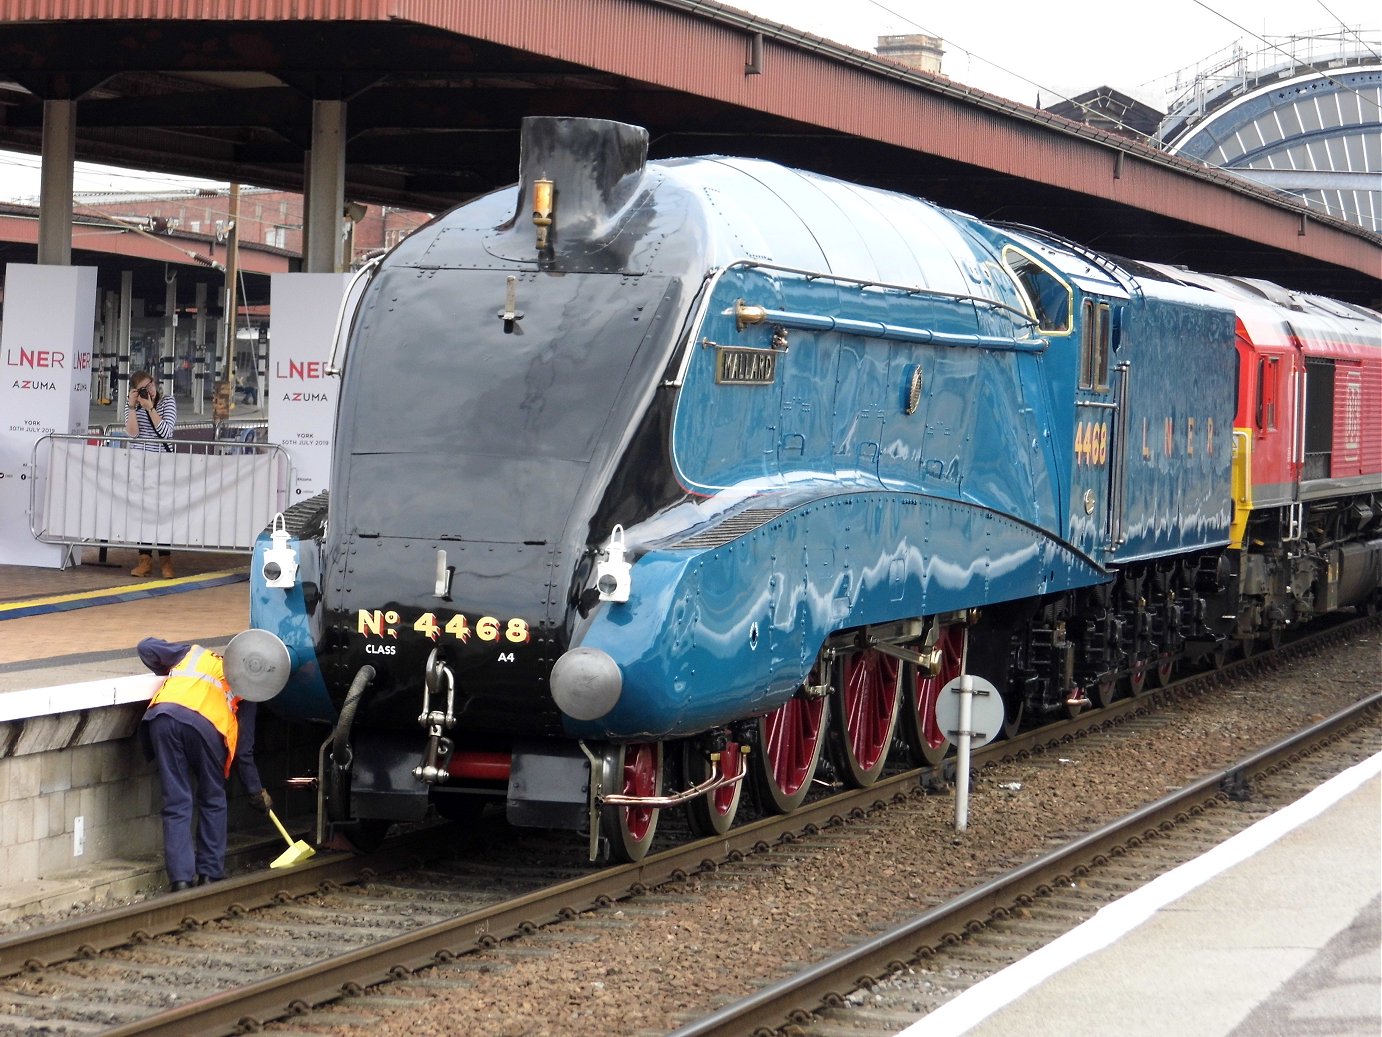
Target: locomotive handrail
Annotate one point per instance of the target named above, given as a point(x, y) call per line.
point(898, 332)
point(1118, 460)
point(369, 268)
point(910, 289)
point(866, 328)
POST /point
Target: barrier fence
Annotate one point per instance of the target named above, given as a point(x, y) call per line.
point(201, 496)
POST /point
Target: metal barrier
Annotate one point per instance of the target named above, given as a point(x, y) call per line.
point(200, 496)
point(254, 430)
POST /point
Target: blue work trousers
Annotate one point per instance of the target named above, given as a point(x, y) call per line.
point(190, 774)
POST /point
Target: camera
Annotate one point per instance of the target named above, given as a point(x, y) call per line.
point(143, 393)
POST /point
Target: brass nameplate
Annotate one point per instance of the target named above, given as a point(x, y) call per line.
point(745, 366)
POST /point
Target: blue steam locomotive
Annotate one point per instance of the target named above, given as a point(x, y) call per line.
point(654, 481)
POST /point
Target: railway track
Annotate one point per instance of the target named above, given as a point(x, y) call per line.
point(874, 989)
point(334, 927)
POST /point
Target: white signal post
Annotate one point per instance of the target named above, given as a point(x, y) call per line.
point(967, 702)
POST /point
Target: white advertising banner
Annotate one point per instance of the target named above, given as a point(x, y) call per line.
point(301, 397)
point(48, 332)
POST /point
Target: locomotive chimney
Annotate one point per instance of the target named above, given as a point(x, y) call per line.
point(576, 176)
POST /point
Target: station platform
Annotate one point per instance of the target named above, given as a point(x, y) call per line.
point(60, 627)
point(1274, 932)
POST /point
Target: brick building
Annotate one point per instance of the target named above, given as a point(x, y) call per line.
point(268, 217)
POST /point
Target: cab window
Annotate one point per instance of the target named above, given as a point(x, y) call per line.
point(1049, 298)
point(1268, 391)
point(1094, 345)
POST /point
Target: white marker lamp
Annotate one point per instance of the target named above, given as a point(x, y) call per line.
point(280, 568)
point(614, 576)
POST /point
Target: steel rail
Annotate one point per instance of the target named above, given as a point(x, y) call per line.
point(88, 935)
point(831, 980)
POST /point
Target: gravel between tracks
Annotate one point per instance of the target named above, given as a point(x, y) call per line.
point(686, 955)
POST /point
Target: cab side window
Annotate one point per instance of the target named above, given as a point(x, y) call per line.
point(1094, 345)
point(1268, 392)
point(1048, 297)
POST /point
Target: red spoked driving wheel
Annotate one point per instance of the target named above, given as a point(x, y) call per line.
point(790, 741)
point(926, 744)
point(867, 687)
point(631, 770)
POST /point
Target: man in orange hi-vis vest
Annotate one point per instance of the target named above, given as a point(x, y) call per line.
point(194, 729)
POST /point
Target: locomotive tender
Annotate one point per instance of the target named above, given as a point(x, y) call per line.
point(701, 467)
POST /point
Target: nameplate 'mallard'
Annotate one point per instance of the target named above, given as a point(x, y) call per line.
point(745, 366)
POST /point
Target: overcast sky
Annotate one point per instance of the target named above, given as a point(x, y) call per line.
point(1064, 47)
point(1019, 49)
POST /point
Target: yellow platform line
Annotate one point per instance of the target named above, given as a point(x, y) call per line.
point(106, 592)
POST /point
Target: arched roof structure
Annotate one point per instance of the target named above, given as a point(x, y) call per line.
point(1313, 130)
point(426, 98)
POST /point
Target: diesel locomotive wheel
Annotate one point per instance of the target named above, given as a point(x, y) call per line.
point(867, 688)
point(712, 814)
point(631, 770)
point(926, 744)
point(790, 741)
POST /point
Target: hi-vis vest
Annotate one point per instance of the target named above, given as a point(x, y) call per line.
point(198, 683)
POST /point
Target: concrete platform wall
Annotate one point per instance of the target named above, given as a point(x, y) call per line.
point(76, 790)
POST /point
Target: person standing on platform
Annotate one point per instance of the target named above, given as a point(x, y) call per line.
point(150, 418)
point(194, 729)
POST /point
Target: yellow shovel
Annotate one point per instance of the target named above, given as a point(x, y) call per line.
point(295, 853)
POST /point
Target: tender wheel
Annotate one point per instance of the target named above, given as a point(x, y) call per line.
point(1104, 691)
point(712, 814)
point(1165, 667)
point(926, 744)
point(1218, 656)
point(1137, 677)
point(790, 741)
point(1014, 713)
point(868, 687)
point(632, 770)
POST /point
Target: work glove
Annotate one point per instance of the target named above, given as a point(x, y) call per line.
point(262, 801)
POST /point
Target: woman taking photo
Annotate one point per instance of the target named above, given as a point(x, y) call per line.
point(150, 418)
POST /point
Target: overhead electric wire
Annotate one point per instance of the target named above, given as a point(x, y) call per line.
point(1152, 141)
point(122, 225)
point(1016, 75)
